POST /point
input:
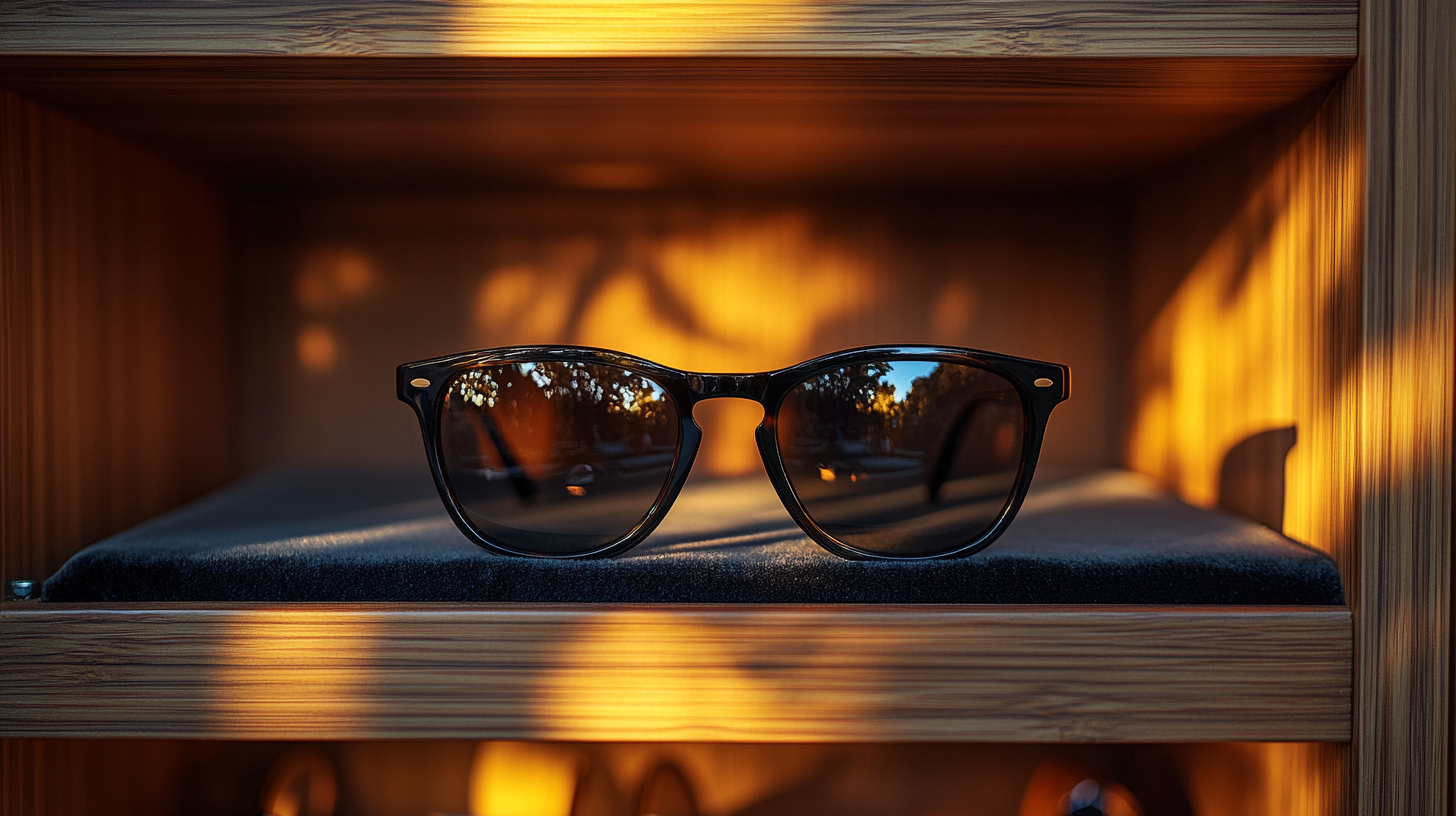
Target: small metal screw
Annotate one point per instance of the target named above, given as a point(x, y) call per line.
point(19, 590)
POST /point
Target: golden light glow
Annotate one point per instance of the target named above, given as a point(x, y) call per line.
point(302, 782)
point(1400, 409)
point(955, 307)
point(317, 348)
point(659, 674)
point(333, 276)
point(1250, 341)
point(728, 446)
point(523, 303)
point(329, 278)
point(294, 666)
point(761, 289)
point(1260, 778)
point(587, 27)
point(739, 295)
point(523, 779)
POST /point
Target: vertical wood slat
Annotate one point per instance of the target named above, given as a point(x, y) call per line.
point(114, 358)
point(114, 371)
point(129, 776)
point(1403, 614)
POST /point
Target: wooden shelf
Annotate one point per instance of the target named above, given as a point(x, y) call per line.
point(720, 94)
point(1120, 28)
point(681, 123)
point(685, 673)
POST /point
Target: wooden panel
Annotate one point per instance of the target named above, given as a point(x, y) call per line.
point(64, 777)
point(768, 674)
point(1403, 672)
point(783, 124)
point(814, 27)
point(707, 283)
point(114, 371)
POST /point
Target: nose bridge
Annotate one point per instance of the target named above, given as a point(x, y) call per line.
point(742, 386)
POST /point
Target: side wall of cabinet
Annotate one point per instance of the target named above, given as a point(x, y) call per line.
point(115, 362)
point(1292, 321)
point(1244, 319)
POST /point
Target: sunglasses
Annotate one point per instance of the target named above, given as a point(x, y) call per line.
point(888, 452)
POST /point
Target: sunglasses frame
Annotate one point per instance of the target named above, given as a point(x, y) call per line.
point(423, 386)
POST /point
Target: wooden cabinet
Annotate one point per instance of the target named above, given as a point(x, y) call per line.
point(1229, 217)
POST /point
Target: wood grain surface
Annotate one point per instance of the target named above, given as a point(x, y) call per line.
point(1408, 381)
point(808, 27)
point(114, 366)
point(767, 674)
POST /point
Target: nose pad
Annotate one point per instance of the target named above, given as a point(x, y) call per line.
point(728, 447)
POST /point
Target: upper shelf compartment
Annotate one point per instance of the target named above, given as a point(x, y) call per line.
point(782, 124)
point(720, 94)
point(495, 28)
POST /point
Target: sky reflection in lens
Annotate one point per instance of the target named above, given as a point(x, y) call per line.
point(556, 457)
point(904, 458)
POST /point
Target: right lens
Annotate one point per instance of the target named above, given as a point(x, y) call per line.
point(904, 458)
point(556, 458)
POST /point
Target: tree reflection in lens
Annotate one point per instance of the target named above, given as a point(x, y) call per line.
point(903, 458)
point(556, 457)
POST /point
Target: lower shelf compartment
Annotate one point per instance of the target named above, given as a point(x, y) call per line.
point(651, 673)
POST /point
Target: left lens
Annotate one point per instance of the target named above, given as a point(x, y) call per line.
point(556, 458)
point(903, 458)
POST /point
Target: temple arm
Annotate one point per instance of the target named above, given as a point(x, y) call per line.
point(945, 456)
point(524, 486)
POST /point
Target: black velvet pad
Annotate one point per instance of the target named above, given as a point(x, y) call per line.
point(356, 535)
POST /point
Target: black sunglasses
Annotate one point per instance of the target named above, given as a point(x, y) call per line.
point(890, 452)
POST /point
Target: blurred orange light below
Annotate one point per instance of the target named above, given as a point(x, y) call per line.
point(523, 779)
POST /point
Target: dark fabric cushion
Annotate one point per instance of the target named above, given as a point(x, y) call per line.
point(360, 535)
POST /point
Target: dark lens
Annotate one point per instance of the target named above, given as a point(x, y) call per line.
point(908, 458)
point(556, 458)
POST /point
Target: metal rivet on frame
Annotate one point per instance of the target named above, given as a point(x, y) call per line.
point(1042, 382)
point(421, 382)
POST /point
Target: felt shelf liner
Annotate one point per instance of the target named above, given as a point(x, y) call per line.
point(359, 535)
